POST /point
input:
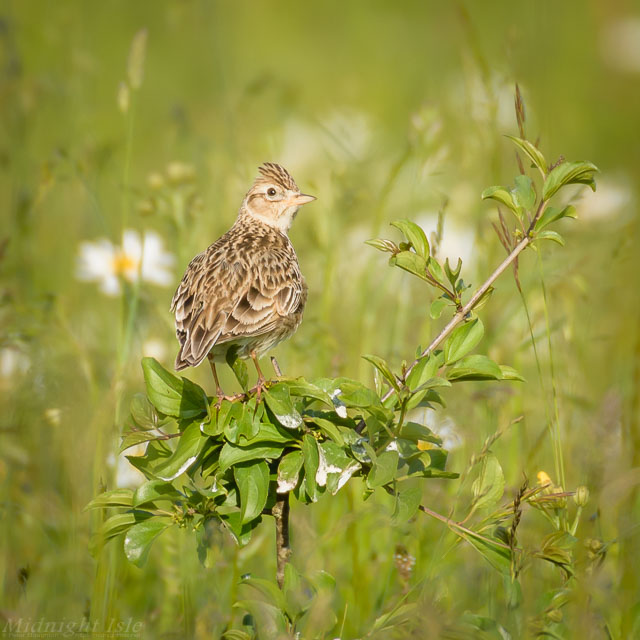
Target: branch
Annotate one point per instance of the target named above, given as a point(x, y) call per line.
point(460, 315)
point(280, 512)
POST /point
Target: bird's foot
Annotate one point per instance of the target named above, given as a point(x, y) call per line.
point(262, 385)
point(225, 398)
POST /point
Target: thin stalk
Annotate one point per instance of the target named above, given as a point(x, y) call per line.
point(555, 423)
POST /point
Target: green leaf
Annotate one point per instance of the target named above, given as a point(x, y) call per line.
point(271, 433)
point(114, 498)
point(524, 194)
point(252, 480)
point(278, 399)
point(115, 525)
point(157, 452)
point(140, 537)
point(415, 236)
point(323, 581)
point(425, 369)
point(383, 470)
point(434, 383)
point(532, 151)
point(435, 269)
point(300, 388)
point(239, 367)
point(382, 245)
point(219, 419)
point(492, 551)
point(354, 394)
point(415, 431)
point(142, 412)
point(452, 274)
point(297, 598)
point(462, 340)
point(329, 429)
point(240, 532)
point(389, 622)
point(488, 487)
point(236, 634)
point(133, 438)
point(411, 262)
point(243, 423)
point(550, 235)
point(232, 454)
point(475, 367)
point(551, 214)
point(190, 444)
point(384, 369)
point(407, 504)
point(171, 395)
point(311, 459)
point(289, 471)
point(502, 195)
point(509, 373)
point(569, 173)
point(335, 467)
point(483, 299)
point(153, 490)
point(437, 307)
point(269, 590)
point(269, 619)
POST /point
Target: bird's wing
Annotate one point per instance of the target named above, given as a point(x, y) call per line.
point(222, 298)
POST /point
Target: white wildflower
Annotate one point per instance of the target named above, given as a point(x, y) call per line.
point(13, 362)
point(154, 348)
point(103, 262)
point(620, 45)
point(457, 240)
point(612, 198)
point(442, 426)
point(127, 476)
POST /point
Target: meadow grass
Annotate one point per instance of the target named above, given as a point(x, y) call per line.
point(383, 111)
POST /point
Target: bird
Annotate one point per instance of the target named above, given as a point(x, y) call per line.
point(246, 291)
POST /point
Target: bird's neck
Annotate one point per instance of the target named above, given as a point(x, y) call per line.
point(282, 223)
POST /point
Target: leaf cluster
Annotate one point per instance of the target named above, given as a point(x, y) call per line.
point(228, 461)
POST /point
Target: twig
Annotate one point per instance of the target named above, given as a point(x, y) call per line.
point(456, 525)
point(276, 366)
point(460, 315)
point(280, 512)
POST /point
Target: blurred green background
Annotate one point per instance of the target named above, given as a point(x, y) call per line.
point(384, 111)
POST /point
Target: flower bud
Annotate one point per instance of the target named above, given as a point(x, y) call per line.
point(155, 181)
point(555, 615)
point(581, 496)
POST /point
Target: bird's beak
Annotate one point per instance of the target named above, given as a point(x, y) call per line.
point(301, 199)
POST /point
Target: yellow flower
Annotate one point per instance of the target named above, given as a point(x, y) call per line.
point(543, 478)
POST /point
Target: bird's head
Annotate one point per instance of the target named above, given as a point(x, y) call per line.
point(274, 198)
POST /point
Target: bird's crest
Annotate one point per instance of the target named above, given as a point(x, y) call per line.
point(271, 172)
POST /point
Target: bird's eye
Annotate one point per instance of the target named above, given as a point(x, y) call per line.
point(271, 191)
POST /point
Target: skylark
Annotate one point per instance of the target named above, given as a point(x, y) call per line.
point(246, 290)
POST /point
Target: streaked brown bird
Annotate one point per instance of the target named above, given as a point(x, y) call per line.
point(246, 290)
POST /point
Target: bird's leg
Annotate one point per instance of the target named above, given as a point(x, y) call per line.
point(261, 379)
point(219, 391)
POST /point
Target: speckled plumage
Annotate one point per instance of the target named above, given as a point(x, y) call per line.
point(246, 289)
